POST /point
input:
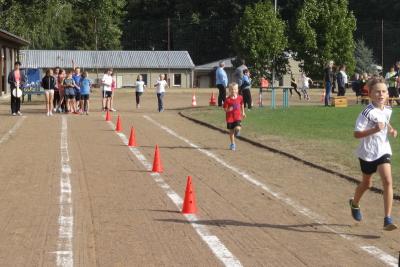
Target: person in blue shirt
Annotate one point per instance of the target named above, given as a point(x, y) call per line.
point(245, 89)
point(85, 88)
point(77, 79)
point(221, 82)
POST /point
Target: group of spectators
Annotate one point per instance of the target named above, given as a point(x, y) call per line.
point(241, 77)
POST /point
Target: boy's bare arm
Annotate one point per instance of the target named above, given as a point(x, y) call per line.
point(392, 131)
point(361, 134)
point(243, 114)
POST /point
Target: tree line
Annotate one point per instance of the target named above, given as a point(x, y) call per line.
point(313, 31)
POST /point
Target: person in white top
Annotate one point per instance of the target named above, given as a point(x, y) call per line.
point(140, 85)
point(160, 85)
point(106, 82)
point(374, 152)
point(341, 78)
point(305, 85)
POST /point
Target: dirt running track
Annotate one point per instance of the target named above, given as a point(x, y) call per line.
point(265, 209)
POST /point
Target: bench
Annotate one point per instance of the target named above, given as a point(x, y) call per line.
point(31, 90)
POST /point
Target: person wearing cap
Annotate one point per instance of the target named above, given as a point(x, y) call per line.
point(16, 79)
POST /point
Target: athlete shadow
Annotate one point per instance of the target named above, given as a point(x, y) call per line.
point(302, 228)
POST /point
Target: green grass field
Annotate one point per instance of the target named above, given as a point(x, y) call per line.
point(315, 133)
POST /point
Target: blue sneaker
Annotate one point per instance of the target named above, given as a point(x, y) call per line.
point(232, 147)
point(355, 211)
point(388, 224)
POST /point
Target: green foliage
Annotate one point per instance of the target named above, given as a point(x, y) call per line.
point(364, 58)
point(53, 24)
point(325, 32)
point(260, 39)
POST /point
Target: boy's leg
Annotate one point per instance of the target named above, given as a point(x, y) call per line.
point(365, 184)
point(385, 171)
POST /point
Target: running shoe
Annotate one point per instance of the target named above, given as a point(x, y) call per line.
point(355, 211)
point(19, 113)
point(14, 114)
point(388, 224)
point(232, 147)
point(113, 109)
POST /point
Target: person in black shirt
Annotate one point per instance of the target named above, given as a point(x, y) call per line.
point(328, 80)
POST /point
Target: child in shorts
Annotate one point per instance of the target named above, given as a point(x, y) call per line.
point(374, 151)
point(234, 108)
point(86, 85)
point(69, 90)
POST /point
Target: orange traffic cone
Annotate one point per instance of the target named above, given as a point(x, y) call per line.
point(157, 167)
point(189, 204)
point(118, 128)
point(108, 116)
point(212, 100)
point(132, 139)
point(194, 103)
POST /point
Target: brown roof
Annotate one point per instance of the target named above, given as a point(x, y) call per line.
point(12, 38)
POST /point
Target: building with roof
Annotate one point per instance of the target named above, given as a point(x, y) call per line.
point(204, 75)
point(127, 65)
point(10, 46)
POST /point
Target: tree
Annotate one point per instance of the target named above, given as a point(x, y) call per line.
point(324, 31)
point(364, 58)
point(260, 39)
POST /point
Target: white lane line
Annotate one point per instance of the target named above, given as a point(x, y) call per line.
point(372, 250)
point(65, 219)
point(213, 242)
point(10, 132)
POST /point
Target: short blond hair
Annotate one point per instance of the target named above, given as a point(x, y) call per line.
point(371, 84)
point(232, 85)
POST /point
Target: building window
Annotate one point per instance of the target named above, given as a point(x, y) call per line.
point(144, 76)
point(177, 79)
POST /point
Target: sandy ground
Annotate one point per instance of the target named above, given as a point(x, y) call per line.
point(123, 218)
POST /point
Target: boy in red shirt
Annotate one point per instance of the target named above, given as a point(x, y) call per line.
point(234, 108)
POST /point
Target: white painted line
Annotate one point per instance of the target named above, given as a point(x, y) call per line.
point(65, 218)
point(213, 242)
point(372, 250)
point(10, 132)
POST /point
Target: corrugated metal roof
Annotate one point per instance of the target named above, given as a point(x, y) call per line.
point(215, 64)
point(106, 59)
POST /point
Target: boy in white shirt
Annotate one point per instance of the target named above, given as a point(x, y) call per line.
point(374, 151)
point(140, 85)
point(160, 85)
point(106, 81)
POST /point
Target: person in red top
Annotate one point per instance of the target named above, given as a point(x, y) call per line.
point(234, 108)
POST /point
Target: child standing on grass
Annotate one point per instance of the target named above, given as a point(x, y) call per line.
point(374, 151)
point(234, 108)
point(140, 85)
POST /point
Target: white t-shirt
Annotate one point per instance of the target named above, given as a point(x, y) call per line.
point(344, 75)
point(376, 145)
point(304, 81)
point(140, 86)
point(106, 81)
point(160, 85)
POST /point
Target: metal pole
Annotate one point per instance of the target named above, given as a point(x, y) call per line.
point(382, 43)
point(169, 47)
point(273, 64)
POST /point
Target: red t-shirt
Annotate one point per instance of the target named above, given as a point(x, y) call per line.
point(234, 106)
